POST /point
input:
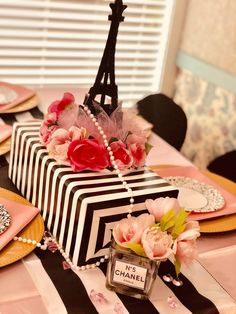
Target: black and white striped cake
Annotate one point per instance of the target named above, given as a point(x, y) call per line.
point(78, 208)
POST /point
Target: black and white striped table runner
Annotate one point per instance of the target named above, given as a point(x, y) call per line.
point(199, 294)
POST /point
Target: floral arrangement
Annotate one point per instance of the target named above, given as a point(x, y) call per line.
point(163, 232)
point(72, 137)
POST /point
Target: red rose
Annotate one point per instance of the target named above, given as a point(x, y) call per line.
point(87, 154)
point(59, 105)
point(138, 153)
point(122, 156)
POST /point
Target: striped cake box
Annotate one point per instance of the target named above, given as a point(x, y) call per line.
point(79, 209)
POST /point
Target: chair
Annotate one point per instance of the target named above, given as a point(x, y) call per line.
point(168, 119)
point(224, 165)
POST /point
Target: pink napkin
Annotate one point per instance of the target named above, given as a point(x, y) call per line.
point(23, 93)
point(5, 132)
point(191, 172)
point(21, 215)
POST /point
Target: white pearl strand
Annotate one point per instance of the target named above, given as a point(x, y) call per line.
point(50, 238)
point(126, 186)
point(112, 159)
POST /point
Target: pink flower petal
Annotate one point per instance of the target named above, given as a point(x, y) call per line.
point(65, 265)
point(172, 302)
point(119, 309)
point(98, 297)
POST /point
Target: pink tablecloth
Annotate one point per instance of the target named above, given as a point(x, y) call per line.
point(19, 291)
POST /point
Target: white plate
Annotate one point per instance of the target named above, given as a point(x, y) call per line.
point(196, 196)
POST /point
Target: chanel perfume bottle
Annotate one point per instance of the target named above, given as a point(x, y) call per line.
point(130, 274)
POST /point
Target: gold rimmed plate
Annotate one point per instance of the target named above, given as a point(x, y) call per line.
point(5, 146)
point(16, 250)
point(24, 106)
point(218, 224)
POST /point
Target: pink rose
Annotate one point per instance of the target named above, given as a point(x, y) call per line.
point(60, 140)
point(59, 105)
point(121, 154)
point(136, 146)
point(46, 133)
point(129, 230)
point(160, 206)
point(48, 126)
point(156, 243)
point(136, 139)
point(87, 154)
point(50, 118)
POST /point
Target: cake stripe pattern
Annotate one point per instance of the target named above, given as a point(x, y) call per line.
point(78, 208)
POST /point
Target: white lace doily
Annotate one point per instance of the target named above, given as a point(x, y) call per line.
point(5, 219)
point(196, 196)
point(7, 95)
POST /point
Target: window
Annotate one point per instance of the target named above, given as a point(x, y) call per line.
point(60, 42)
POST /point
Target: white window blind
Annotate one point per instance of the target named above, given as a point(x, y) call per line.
point(61, 42)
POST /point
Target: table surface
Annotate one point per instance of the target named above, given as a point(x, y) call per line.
point(31, 291)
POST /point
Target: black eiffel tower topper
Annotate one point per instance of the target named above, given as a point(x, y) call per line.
point(105, 80)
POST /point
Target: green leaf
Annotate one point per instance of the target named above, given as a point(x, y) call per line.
point(177, 231)
point(180, 222)
point(148, 147)
point(157, 225)
point(137, 248)
point(169, 224)
point(113, 139)
point(129, 133)
point(167, 219)
point(52, 124)
point(177, 266)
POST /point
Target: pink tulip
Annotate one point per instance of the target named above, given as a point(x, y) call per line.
point(186, 251)
point(185, 244)
point(130, 230)
point(191, 231)
point(160, 206)
point(156, 243)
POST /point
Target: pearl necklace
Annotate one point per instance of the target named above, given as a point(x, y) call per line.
point(112, 159)
point(50, 238)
